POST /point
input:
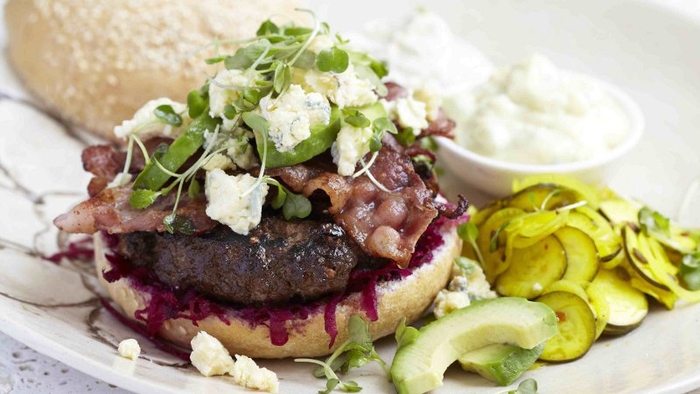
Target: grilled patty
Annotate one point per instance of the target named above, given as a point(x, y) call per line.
point(277, 262)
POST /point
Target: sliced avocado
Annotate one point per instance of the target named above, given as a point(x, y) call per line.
point(419, 366)
point(500, 363)
point(321, 139)
point(373, 111)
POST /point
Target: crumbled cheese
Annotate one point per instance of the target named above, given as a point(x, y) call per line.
point(225, 89)
point(321, 42)
point(351, 144)
point(248, 374)
point(432, 101)
point(291, 115)
point(345, 89)
point(209, 356)
point(239, 153)
point(145, 124)
point(220, 161)
point(228, 203)
point(129, 348)
point(467, 285)
point(408, 112)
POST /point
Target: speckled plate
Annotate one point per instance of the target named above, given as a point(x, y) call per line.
point(646, 49)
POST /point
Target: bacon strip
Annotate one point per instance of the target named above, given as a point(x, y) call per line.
point(384, 224)
point(110, 210)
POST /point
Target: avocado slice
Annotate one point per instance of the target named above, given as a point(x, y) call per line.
point(500, 363)
point(419, 366)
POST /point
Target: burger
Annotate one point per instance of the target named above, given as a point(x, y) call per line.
point(293, 189)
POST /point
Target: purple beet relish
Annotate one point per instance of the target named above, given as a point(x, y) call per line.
point(76, 250)
point(167, 303)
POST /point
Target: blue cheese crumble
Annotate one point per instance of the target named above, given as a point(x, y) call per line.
point(224, 89)
point(351, 145)
point(145, 124)
point(235, 201)
point(468, 284)
point(292, 114)
point(211, 358)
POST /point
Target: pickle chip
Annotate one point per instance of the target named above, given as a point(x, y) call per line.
point(576, 327)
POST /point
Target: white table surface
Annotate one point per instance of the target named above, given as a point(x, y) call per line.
point(24, 370)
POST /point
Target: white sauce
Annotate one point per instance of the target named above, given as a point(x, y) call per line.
point(530, 113)
point(534, 113)
point(422, 53)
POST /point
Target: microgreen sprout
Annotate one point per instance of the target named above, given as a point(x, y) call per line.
point(293, 205)
point(357, 351)
point(379, 127)
point(266, 62)
point(653, 222)
point(689, 270)
point(404, 334)
point(469, 232)
point(166, 114)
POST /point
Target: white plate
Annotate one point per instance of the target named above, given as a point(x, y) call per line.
point(647, 50)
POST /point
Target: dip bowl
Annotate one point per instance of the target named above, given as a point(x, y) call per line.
point(495, 177)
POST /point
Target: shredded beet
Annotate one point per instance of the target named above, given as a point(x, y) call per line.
point(160, 344)
point(77, 250)
point(166, 303)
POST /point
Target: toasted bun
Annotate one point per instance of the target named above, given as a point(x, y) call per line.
point(408, 297)
point(94, 63)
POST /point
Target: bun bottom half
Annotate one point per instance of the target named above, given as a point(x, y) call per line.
point(408, 297)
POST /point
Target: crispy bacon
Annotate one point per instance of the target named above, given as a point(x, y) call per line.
point(110, 211)
point(442, 126)
point(105, 162)
point(384, 224)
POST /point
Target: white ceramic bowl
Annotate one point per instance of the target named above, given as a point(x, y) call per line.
point(496, 177)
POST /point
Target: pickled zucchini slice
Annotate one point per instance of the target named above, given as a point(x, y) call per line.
point(576, 327)
point(543, 197)
point(526, 230)
point(601, 308)
point(491, 234)
point(627, 306)
point(568, 286)
point(639, 258)
point(584, 191)
point(532, 269)
point(581, 254)
point(608, 241)
point(620, 211)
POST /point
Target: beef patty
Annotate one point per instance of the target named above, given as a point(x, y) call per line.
point(278, 261)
